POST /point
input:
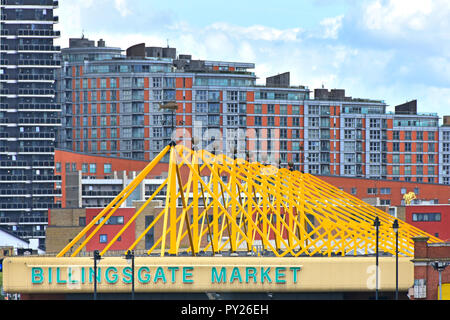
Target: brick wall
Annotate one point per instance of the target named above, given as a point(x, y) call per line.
point(424, 255)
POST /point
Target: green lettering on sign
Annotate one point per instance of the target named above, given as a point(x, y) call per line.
point(187, 274)
point(219, 278)
point(37, 275)
point(115, 276)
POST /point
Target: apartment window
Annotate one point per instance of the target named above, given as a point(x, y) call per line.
point(84, 168)
point(232, 108)
point(107, 168)
point(349, 123)
point(403, 190)
point(419, 135)
point(396, 170)
point(407, 170)
point(313, 122)
point(375, 157)
point(385, 202)
point(82, 221)
point(103, 238)
point(270, 121)
point(349, 134)
point(350, 170)
point(271, 108)
point(446, 135)
point(232, 95)
point(93, 168)
point(372, 191)
point(313, 145)
point(419, 158)
point(396, 146)
point(313, 157)
point(426, 217)
point(407, 158)
point(385, 191)
point(258, 108)
point(431, 135)
point(408, 135)
point(314, 110)
point(419, 147)
point(258, 121)
point(431, 147)
point(408, 147)
point(446, 147)
point(396, 135)
point(58, 167)
point(353, 191)
point(375, 134)
point(446, 158)
point(396, 158)
point(431, 158)
point(375, 146)
point(419, 170)
point(374, 170)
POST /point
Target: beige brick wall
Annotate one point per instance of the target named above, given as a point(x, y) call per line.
point(58, 237)
point(66, 217)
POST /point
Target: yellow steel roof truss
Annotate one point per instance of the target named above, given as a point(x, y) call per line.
point(250, 207)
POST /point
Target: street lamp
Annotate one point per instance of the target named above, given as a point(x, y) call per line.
point(376, 224)
point(97, 257)
point(173, 107)
point(439, 266)
point(130, 259)
point(395, 226)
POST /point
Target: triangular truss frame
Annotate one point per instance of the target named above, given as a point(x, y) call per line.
point(253, 207)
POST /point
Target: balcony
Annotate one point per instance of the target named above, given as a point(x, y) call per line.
point(38, 33)
point(39, 106)
point(45, 192)
point(13, 164)
point(37, 135)
point(111, 194)
point(14, 192)
point(36, 92)
point(39, 121)
point(30, 47)
point(33, 220)
point(36, 150)
point(39, 63)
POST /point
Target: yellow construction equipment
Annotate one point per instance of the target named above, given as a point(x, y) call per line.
point(243, 206)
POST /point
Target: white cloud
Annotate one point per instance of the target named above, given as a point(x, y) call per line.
point(400, 16)
point(123, 7)
point(331, 26)
point(258, 32)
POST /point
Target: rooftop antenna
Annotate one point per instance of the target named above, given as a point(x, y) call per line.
point(167, 43)
point(82, 34)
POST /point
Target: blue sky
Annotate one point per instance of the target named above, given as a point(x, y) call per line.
point(393, 50)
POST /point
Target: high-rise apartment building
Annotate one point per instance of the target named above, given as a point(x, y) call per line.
point(111, 106)
point(29, 115)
